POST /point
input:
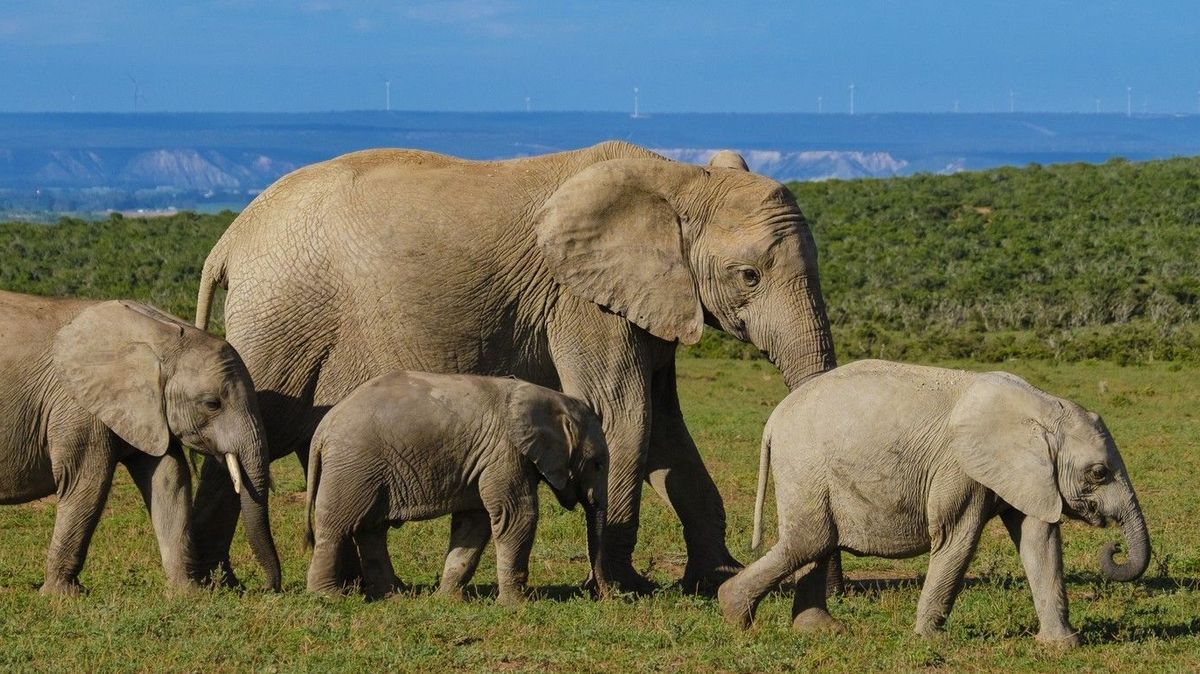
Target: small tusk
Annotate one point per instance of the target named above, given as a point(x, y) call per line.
point(235, 472)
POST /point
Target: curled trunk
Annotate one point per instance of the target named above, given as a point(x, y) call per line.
point(1137, 545)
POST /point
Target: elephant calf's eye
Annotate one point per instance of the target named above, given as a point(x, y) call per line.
point(211, 404)
point(749, 276)
point(1098, 473)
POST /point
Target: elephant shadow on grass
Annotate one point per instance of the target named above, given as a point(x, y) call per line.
point(487, 591)
point(1094, 631)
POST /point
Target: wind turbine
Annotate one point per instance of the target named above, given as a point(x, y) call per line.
point(851, 98)
point(387, 93)
point(71, 93)
point(956, 105)
point(1129, 101)
point(136, 91)
point(1097, 106)
point(527, 104)
point(1011, 104)
point(820, 107)
point(636, 114)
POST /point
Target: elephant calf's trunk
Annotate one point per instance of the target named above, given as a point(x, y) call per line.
point(1138, 558)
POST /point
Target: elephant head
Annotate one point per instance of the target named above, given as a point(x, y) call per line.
point(153, 379)
point(672, 246)
point(1046, 457)
point(562, 437)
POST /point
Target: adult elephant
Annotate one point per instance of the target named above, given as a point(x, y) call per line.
point(579, 271)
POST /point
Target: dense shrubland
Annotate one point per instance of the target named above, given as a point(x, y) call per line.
point(1066, 262)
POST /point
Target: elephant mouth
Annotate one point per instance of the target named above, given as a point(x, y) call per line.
point(1088, 512)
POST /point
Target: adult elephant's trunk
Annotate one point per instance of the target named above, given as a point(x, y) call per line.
point(799, 341)
point(254, 491)
point(1137, 543)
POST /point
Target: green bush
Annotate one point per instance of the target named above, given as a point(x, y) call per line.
point(1065, 262)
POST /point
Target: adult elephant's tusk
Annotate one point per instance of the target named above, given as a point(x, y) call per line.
point(235, 472)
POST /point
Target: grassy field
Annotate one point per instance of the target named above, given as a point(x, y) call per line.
point(129, 623)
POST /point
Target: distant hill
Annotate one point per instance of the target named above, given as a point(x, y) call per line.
point(82, 162)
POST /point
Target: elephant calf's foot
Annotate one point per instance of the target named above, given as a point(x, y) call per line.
point(736, 607)
point(817, 620)
point(1059, 638)
point(451, 592)
point(511, 596)
point(63, 588)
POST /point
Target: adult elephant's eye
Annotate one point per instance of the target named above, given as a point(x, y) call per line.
point(211, 404)
point(1098, 473)
point(749, 276)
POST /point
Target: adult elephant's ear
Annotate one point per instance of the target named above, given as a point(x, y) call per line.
point(998, 431)
point(610, 235)
point(728, 159)
point(109, 359)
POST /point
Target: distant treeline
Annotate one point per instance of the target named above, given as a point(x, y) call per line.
point(1065, 262)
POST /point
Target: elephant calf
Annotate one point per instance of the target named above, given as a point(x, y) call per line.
point(87, 385)
point(414, 446)
point(894, 460)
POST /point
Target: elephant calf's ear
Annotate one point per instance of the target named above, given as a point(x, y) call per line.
point(107, 359)
point(610, 235)
point(541, 430)
point(998, 437)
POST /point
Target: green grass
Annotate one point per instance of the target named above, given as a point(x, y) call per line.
point(129, 623)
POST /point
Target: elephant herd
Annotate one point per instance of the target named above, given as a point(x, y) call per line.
point(376, 304)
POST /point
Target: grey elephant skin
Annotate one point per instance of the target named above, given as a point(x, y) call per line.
point(413, 446)
point(89, 385)
point(894, 460)
point(579, 271)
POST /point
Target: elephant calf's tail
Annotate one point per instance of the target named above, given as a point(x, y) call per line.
point(314, 477)
point(212, 276)
point(764, 466)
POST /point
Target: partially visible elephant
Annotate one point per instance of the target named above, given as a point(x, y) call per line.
point(579, 271)
point(413, 446)
point(88, 385)
point(894, 460)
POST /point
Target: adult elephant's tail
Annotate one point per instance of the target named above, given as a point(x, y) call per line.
point(212, 276)
point(764, 466)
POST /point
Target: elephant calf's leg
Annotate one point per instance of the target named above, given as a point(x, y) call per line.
point(948, 561)
point(1041, 555)
point(810, 613)
point(469, 534)
point(513, 529)
point(324, 572)
point(739, 596)
point(165, 484)
point(79, 511)
point(378, 576)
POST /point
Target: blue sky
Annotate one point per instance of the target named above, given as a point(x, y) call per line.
point(915, 55)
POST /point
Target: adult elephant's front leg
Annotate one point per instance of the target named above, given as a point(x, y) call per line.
point(677, 473)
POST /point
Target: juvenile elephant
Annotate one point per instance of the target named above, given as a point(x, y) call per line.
point(894, 460)
point(578, 271)
point(88, 385)
point(414, 446)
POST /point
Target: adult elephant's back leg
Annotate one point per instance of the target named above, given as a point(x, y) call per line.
point(677, 473)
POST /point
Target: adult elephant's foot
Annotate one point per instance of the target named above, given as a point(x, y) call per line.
point(218, 575)
point(622, 578)
point(62, 588)
point(817, 620)
point(704, 578)
point(736, 607)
